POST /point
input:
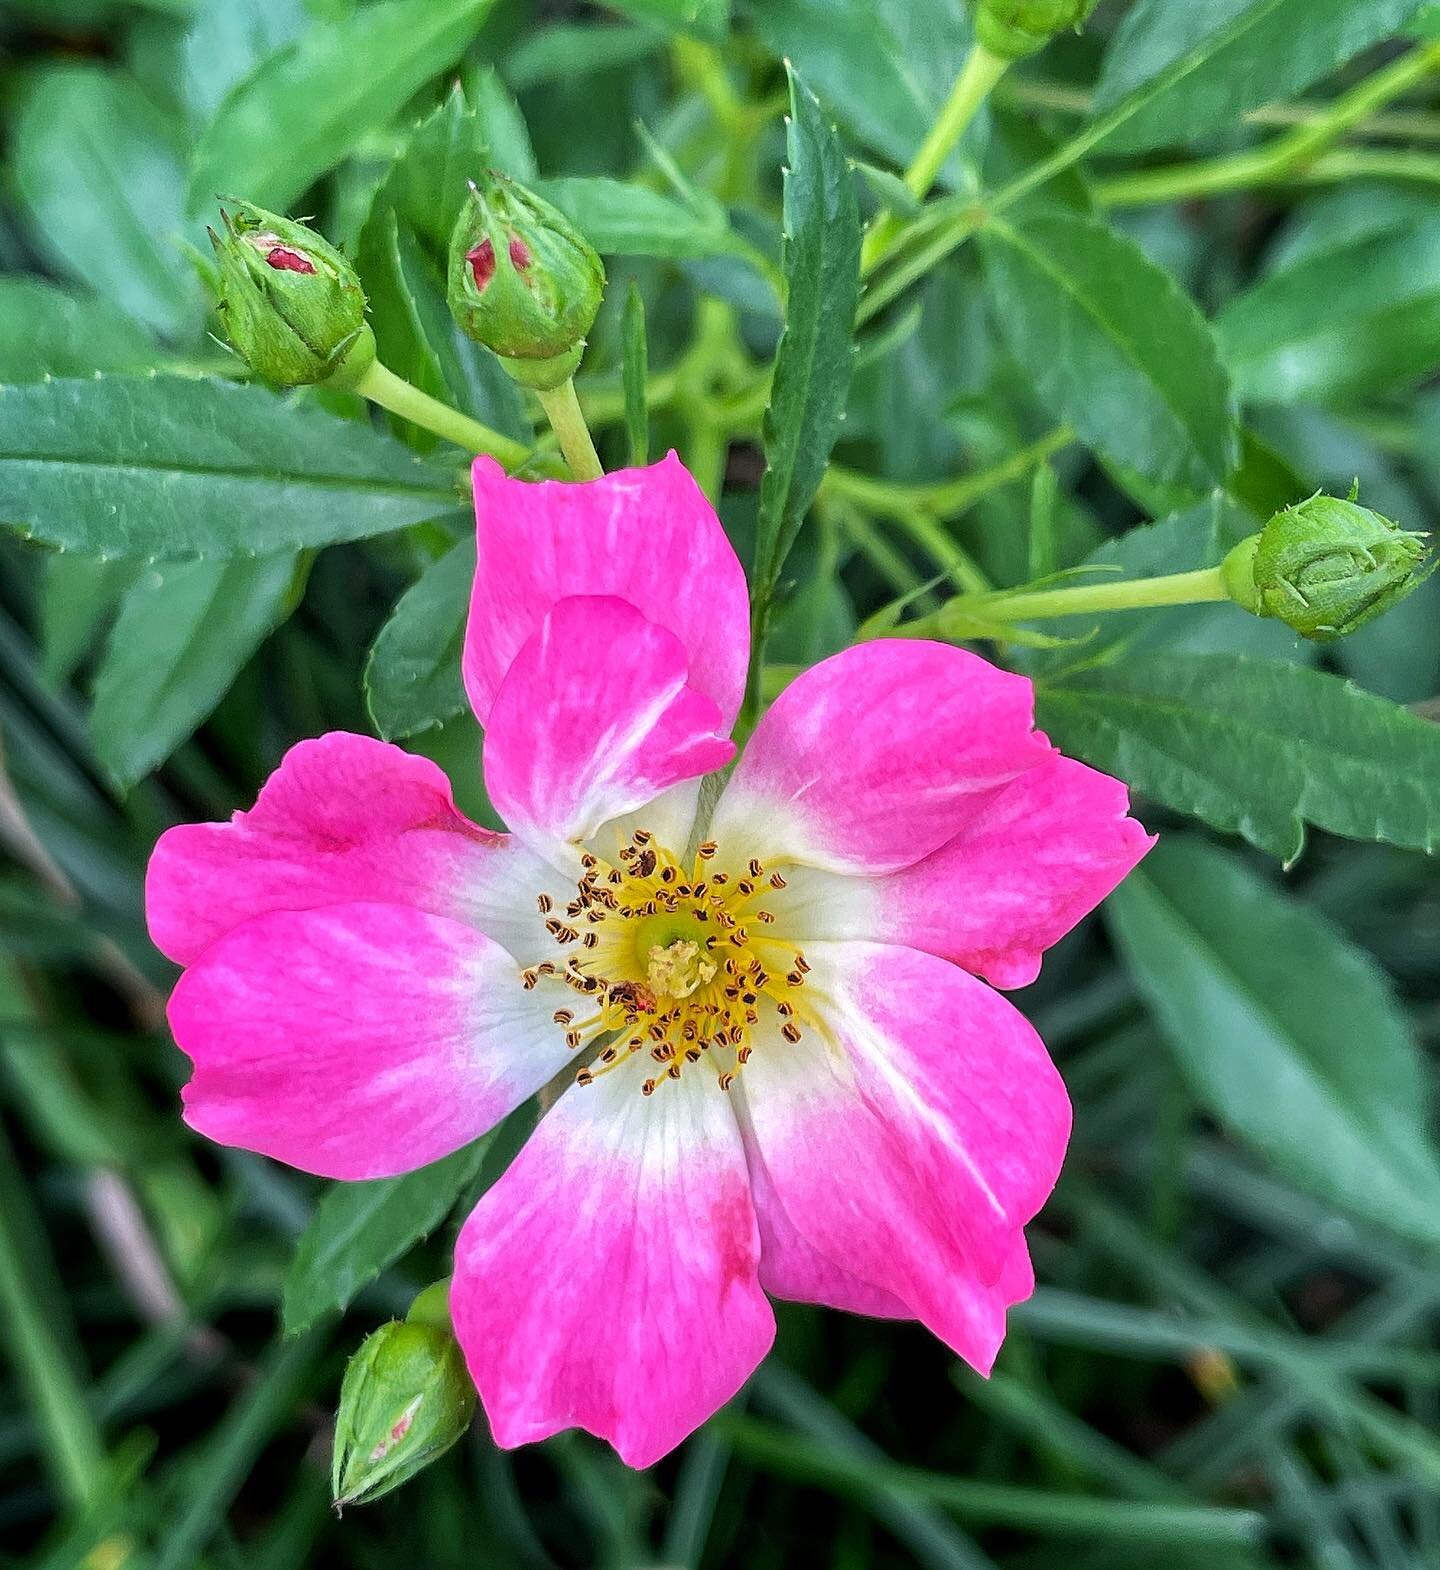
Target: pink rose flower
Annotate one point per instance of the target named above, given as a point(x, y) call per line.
point(802, 1089)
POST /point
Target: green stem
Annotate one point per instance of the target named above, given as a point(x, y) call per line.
point(1281, 157)
point(567, 419)
point(1206, 586)
point(976, 81)
point(394, 393)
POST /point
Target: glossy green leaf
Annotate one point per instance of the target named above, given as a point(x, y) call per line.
point(308, 106)
point(709, 18)
point(167, 466)
point(99, 174)
point(412, 678)
point(227, 39)
point(883, 66)
point(1286, 1032)
point(78, 594)
point(816, 355)
point(47, 331)
point(1346, 320)
point(1254, 747)
point(634, 369)
point(1139, 376)
point(360, 1228)
point(185, 631)
point(1196, 67)
point(502, 126)
point(426, 185)
point(628, 220)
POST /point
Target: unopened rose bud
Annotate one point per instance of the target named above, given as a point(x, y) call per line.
point(405, 1400)
point(524, 281)
point(1325, 567)
point(292, 306)
point(1012, 29)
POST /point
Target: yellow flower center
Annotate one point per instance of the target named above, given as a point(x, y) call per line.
point(675, 961)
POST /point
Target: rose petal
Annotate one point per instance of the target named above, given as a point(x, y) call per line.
point(359, 1041)
point(1033, 861)
point(871, 759)
point(608, 1280)
point(344, 818)
point(593, 719)
point(910, 1139)
point(645, 535)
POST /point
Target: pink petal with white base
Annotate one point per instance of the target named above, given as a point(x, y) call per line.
point(1031, 862)
point(344, 818)
point(871, 759)
point(359, 1041)
point(594, 718)
point(608, 1280)
point(645, 535)
point(910, 1139)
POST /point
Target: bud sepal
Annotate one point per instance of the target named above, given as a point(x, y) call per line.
point(292, 306)
point(1326, 567)
point(1012, 29)
point(405, 1400)
point(523, 281)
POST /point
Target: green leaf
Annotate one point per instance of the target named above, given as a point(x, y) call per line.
point(307, 107)
point(412, 678)
point(1350, 319)
point(1193, 68)
point(185, 631)
point(634, 369)
point(1112, 346)
point(1254, 747)
point(99, 175)
point(502, 126)
point(226, 41)
point(708, 18)
point(885, 66)
point(427, 183)
point(816, 354)
point(1285, 1031)
point(77, 595)
point(360, 1228)
point(45, 331)
point(167, 466)
point(628, 220)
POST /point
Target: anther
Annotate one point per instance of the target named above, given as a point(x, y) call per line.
point(801, 966)
point(573, 1039)
point(545, 903)
point(777, 882)
point(648, 1088)
point(791, 1032)
point(641, 836)
point(727, 1079)
point(591, 940)
point(755, 868)
point(564, 1016)
point(706, 850)
point(584, 1077)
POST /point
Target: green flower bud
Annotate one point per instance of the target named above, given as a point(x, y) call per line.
point(1325, 567)
point(524, 281)
point(292, 306)
point(1013, 29)
point(405, 1400)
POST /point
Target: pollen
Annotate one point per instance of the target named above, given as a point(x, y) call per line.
point(678, 964)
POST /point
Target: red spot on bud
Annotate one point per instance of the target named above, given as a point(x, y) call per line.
point(520, 253)
point(482, 263)
point(284, 260)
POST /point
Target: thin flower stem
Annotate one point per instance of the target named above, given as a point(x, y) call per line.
point(1207, 586)
point(381, 385)
point(1405, 125)
point(1283, 156)
point(976, 81)
point(567, 419)
point(941, 241)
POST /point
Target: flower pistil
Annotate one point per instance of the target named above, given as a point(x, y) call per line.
point(677, 961)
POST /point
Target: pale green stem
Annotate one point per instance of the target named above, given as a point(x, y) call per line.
point(394, 393)
point(567, 419)
point(976, 81)
point(1281, 157)
point(1206, 586)
point(941, 242)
